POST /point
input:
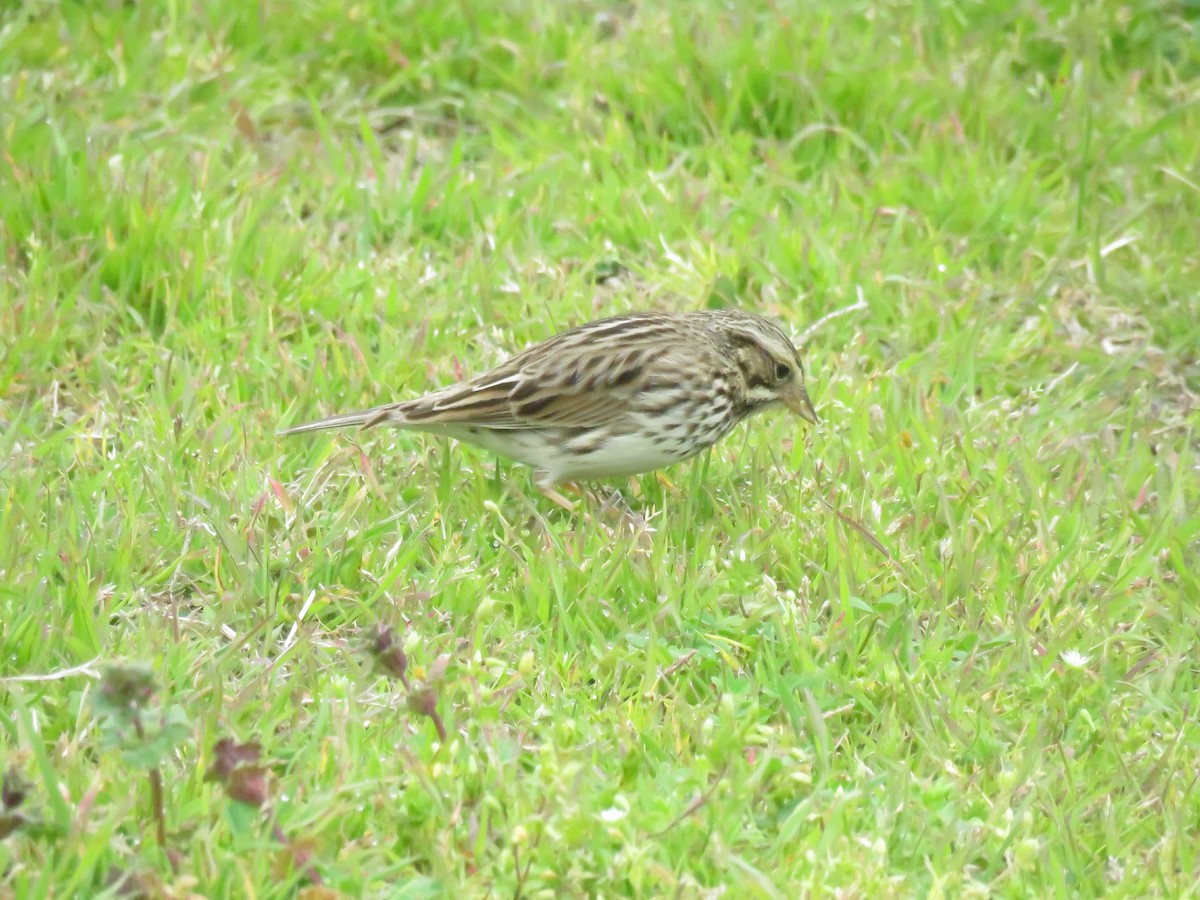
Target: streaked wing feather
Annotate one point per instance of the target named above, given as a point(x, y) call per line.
point(567, 381)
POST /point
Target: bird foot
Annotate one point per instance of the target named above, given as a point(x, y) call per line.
point(616, 507)
point(612, 514)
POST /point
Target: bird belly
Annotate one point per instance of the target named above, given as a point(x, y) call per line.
point(590, 456)
point(561, 454)
point(526, 446)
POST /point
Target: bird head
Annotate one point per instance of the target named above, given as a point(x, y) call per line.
point(770, 365)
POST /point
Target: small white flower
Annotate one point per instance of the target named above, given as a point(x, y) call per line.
point(1074, 659)
point(616, 812)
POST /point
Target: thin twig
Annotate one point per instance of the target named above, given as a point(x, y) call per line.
point(860, 528)
point(695, 805)
point(1059, 379)
point(521, 874)
point(158, 803)
point(677, 665)
point(83, 669)
point(291, 635)
point(830, 316)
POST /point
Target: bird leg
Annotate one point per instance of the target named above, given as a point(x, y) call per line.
point(546, 486)
point(558, 499)
point(632, 523)
point(615, 506)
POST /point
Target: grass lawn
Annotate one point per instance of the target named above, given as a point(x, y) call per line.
point(943, 645)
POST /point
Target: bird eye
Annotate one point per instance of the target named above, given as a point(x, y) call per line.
point(782, 371)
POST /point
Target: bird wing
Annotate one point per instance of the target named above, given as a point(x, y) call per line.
point(583, 378)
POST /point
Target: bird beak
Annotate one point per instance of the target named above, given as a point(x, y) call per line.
point(796, 399)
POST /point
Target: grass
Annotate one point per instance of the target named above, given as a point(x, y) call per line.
point(219, 218)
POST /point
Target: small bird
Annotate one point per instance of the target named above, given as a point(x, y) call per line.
point(617, 396)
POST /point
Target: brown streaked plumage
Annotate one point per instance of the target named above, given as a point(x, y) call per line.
point(617, 396)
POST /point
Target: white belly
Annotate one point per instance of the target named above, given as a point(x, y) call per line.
point(559, 456)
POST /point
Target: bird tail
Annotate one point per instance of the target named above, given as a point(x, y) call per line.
point(364, 418)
